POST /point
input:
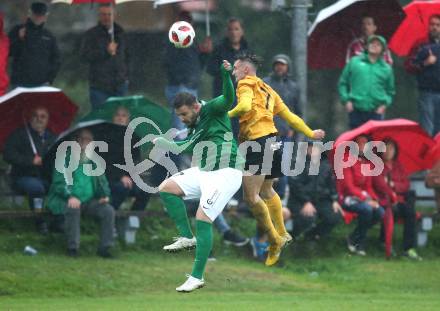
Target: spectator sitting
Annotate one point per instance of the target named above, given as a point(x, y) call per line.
point(36, 58)
point(228, 49)
point(314, 200)
point(392, 188)
point(283, 84)
point(88, 195)
point(423, 61)
point(358, 196)
point(121, 185)
point(432, 181)
point(107, 58)
point(27, 170)
point(358, 46)
point(4, 54)
point(366, 86)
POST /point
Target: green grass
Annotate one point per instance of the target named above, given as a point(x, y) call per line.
point(310, 277)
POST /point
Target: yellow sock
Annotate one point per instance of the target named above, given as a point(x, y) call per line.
point(261, 214)
point(276, 213)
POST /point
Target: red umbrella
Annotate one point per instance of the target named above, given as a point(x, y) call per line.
point(16, 106)
point(414, 28)
point(338, 25)
point(413, 142)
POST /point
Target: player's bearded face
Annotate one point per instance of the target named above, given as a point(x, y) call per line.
point(188, 114)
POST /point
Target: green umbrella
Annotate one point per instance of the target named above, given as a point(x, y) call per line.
point(139, 106)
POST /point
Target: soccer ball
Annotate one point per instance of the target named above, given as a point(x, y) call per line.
point(181, 34)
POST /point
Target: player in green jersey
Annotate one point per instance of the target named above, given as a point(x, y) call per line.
point(214, 177)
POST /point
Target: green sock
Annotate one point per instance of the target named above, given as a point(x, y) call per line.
point(204, 247)
point(177, 211)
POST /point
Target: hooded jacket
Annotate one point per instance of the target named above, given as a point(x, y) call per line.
point(367, 85)
point(36, 58)
point(4, 53)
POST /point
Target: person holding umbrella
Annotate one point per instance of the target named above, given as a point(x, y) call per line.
point(36, 57)
point(392, 188)
point(358, 196)
point(423, 61)
point(24, 150)
point(358, 46)
point(366, 86)
point(104, 48)
point(121, 185)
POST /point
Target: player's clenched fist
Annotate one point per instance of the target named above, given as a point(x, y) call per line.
point(318, 134)
point(227, 65)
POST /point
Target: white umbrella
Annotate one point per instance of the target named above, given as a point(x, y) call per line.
point(208, 26)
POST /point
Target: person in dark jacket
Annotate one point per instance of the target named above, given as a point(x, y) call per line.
point(281, 82)
point(228, 49)
point(36, 58)
point(4, 54)
point(314, 200)
point(121, 185)
point(425, 64)
point(89, 195)
point(107, 58)
point(392, 188)
point(27, 170)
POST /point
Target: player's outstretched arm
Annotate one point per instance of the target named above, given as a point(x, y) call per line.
point(175, 147)
point(244, 101)
point(224, 102)
point(298, 124)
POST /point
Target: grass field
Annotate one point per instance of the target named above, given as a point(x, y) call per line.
point(310, 277)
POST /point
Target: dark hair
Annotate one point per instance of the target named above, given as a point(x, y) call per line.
point(184, 99)
point(368, 16)
point(389, 140)
point(436, 16)
point(250, 58)
point(368, 137)
point(105, 5)
point(235, 20)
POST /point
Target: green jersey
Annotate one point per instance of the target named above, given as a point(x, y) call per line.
point(210, 140)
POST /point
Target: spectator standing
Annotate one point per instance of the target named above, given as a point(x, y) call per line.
point(36, 58)
point(358, 196)
point(283, 84)
point(107, 56)
point(392, 188)
point(4, 54)
point(423, 61)
point(314, 201)
point(366, 86)
point(359, 45)
point(228, 49)
point(27, 176)
point(87, 195)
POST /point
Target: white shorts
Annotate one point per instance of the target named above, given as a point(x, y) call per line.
point(213, 188)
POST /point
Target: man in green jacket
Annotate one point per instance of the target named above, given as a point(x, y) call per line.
point(88, 195)
point(366, 86)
